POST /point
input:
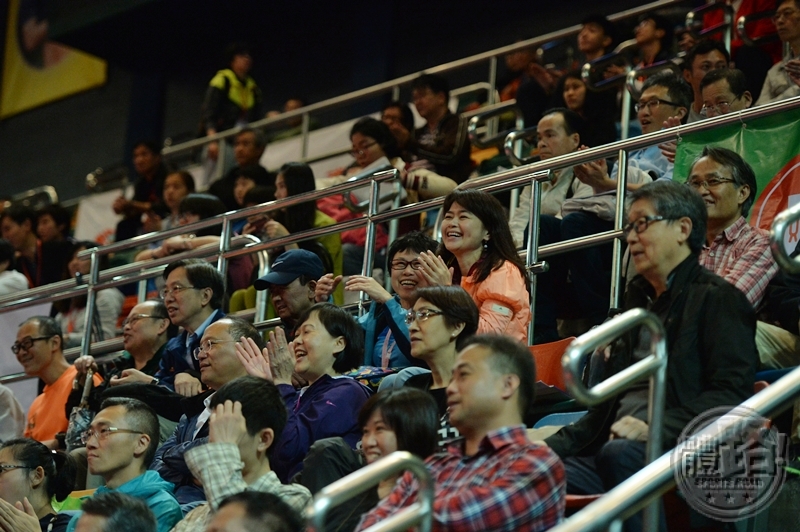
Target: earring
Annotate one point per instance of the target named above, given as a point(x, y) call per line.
point(485, 244)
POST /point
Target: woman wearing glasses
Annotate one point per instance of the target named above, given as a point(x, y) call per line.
point(478, 253)
point(31, 476)
point(327, 343)
point(442, 318)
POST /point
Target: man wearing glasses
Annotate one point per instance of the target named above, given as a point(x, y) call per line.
point(120, 444)
point(39, 350)
point(665, 233)
point(724, 91)
point(219, 365)
point(783, 79)
point(193, 294)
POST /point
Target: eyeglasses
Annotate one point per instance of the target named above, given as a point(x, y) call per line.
point(784, 13)
point(421, 315)
point(174, 290)
point(708, 183)
point(104, 433)
point(130, 320)
point(403, 264)
point(206, 346)
point(653, 104)
point(27, 343)
point(10, 467)
point(720, 108)
point(356, 152)
point(640, 225)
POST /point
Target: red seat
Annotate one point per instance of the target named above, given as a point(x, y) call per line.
point(548, 361)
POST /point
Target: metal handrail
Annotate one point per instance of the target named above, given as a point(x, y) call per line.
point(513, 139)
point(726, 25)
point(741, 27)
point(637, 74)
point(393, 84)
point(420, 512)
point(776, 237)
point(481, 115)
point(657, 477)
point(653, 366)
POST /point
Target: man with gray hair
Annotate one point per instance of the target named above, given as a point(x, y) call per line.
point(115, 512)
point(710, 336)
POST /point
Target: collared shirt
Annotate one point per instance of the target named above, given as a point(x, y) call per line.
point(194, 338)
point(204, 416)
point(741, 255)
point(219, 467)
point(509, 484)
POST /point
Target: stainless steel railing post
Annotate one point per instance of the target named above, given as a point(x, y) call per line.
point(653, 366)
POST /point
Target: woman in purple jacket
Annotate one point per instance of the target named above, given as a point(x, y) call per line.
point(327, 343)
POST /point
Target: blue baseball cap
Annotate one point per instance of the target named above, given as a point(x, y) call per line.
point(291, 265)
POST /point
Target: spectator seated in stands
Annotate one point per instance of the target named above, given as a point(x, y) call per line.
point(443, 140)
point(108, 303)
point(328, 342)
point(665, 100)
point(39, 350)
point(532, 84)
point(374, 147)
point(733, 249)
point(653, 37)
point(53, 223)
point(112, 511)
point(292, 282)
point(387, 343)
point(596, 38)
point(232, 99)
point(193, 296)
point(219, 365)
point(724, 91)
point(248, 178)
point(248, 147)
point(34, 477)
point(598, 109)
point(255, 511)
point(400, 120)
point(707, 369)
point(559, 132)
point(292, 180)
point(392, 420)
point(442, 319)
point(11, 281)
point(478, 253)
point(120, 444)
point(40, 262)
point(145, 333)
point(292, 126)
point(167, 214)
point(783, 79)
point(495, 478)
point(147, 189)
point(247, 419)
point(702, 58)
point(193, 208)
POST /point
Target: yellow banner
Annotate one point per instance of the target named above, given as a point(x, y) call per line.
point(37, 71)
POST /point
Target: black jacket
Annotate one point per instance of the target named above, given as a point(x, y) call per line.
point(712, 357)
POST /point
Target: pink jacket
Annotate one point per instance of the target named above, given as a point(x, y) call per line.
point(503, 302)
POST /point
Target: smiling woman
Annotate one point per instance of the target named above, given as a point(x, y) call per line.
point(477, 250)
point(327, 343)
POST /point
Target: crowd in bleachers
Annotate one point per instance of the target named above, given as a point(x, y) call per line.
point(208, 423)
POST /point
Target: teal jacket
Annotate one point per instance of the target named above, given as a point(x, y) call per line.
point(158, 494)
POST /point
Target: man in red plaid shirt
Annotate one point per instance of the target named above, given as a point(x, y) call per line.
point(494, 478)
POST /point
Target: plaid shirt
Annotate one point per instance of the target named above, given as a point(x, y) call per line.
point(509, 484)
point(219, 467)
point(741, 255)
